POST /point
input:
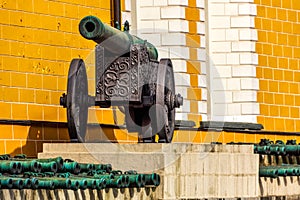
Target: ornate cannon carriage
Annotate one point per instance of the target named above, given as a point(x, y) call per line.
point(128, 75)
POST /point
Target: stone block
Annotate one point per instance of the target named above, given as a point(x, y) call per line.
point(178, 2)
point(250, 109)
point(161, 26)
point(204, 94)
point(144, 3)
point(218, 9)
point(154, 39)
point(249, 58)
point(249, 84)
point(244, 96)
point(179, 52)
point(248, 34)
point(182, 79)
point(202, 82)
point(178, 26)
point(218, 35)
point(179, 66)
point(201, 28)
point(242, 22)
point(232, 34)
point(201, 54)
point(202, 107)
point(200, 3)
point(219, 84)
point(218, 59)
point(220, 47)
point(160, 2)
point(222, 97)
point(243, 46)
point(188, 171)
point(247, 9)
point(149, 13)
point(234, 109)
point(233, 84)
point(231, 9)
point(220, 22)
point(244, 71)
point(172, 12)
point(233, 58)
point(173, 39)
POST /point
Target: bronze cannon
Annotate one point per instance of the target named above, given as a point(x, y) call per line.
point(128, 75)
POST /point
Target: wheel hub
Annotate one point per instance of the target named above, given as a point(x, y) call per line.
point(173, 101)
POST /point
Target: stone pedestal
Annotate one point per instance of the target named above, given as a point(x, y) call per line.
point(188, 171)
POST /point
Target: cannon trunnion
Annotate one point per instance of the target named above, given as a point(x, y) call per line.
point(129, 76)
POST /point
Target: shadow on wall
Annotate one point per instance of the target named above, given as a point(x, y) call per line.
point(29, 138)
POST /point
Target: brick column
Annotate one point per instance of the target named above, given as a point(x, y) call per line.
point(232, 64)
point(177, 29)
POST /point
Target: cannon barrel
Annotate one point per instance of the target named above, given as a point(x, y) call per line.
point(261, 149)
point(72, 167)
point(113, 40)
point(11, 167)
point(104, 167)
point(85, 167)
point(152, 179)
point(59, 161)
point(136, 180)
point(268, 172)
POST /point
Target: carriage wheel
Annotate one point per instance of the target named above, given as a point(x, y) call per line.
point(77, 100)
point(164, 116)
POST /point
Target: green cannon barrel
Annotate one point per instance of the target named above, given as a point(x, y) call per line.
point(292, 170)
point(261, 149)
point(11, 167)
point(292, 149)
point(113, 40)
point(6, 182)
point(46, 184)
point(103, 167)
point(152, 179)
point(29, 165)
point(277, 149)
point(60, 183)
point(72, 167)
point(268, 172)
point(35, 183)
point(85, 182)
point(59, 161)
point(49, 166)
point(117, 182)
point(84, 167)
point(17, 183)
point(136, 180)
point(280, 171)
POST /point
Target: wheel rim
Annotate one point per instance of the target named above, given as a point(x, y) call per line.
point(165, 115)
point(77, 100)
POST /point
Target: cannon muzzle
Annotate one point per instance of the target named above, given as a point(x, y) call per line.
point(113, 40)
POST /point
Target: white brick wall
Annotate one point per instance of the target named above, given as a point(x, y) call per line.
point(172, 12)
point(233, 60)
point(178, 26)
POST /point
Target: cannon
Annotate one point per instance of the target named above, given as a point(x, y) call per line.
point(128, 75)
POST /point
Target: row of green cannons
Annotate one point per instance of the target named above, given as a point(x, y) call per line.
point(277, 159)
point(21, 172)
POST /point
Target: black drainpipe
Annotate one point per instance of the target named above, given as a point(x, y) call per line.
point(116, 13)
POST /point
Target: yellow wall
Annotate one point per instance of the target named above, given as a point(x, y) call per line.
point(278, 46)
point(193, 64)
point(38, 39)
